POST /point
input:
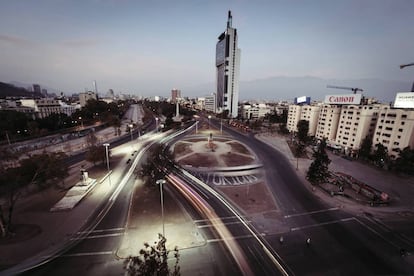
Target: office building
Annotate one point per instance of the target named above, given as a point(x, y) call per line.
point(175, 94)
point(227, 70)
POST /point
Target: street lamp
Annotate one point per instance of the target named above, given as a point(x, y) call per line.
point(161, 182)
point(196, 127)
point(106, 145)
point(80, 118)
point(221, 126)
point(209, 117)
point(130, 130)
point(156, 123)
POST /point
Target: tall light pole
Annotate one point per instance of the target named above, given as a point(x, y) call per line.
point(106, 145)
point(221, 126)
point(161, 182)
point(196, 127)
point(156, 123)
point(80, 118)
point(406, 65)
point(209, 117)
point(130, 130)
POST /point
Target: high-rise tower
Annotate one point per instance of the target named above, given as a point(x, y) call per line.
point(228, 70)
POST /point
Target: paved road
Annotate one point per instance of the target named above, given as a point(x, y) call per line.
point(341, 242)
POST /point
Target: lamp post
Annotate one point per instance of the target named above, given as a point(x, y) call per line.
point(221, 126)
point(209, 117)
point(161, 182)
point(106, 145)
point(130, 130)
point(80, 118)
point(196, 127)
point(156, 123)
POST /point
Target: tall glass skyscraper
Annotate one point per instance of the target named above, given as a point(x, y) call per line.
point(228, 70)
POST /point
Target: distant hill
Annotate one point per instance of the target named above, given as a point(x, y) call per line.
point(287, 88)
point(8, 90)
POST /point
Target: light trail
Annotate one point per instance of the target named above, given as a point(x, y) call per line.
point(205, 209)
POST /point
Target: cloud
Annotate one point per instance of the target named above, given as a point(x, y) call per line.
point(80, 43)
point(15, 40)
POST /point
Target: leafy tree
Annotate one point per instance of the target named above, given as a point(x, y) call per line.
point(318, 170)
point(96, 154)
point(405, 161)
point(365, 149)
point(158, 158)
point(91, 139)
point(283, 129)
point(303, 130)
point(153, 260)
point(41, 170)
point(380, 155)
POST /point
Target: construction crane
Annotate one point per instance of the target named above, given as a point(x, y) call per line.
point(406, 65)
point(346, 88)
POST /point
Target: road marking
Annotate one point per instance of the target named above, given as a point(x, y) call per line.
point(88, 254)
point(323, 223)
point(225, 223)
point(101, 230)
point(98, 236)
point(313, 212)
point(233, 238)
point(376, 233)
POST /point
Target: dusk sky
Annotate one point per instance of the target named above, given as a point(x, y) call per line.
point(149, 47)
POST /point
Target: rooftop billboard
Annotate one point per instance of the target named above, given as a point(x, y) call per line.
point(404, 100)
point(343, 99)
point(303, 99)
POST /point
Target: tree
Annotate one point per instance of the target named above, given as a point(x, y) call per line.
point(405, 161)
point(303, 130)
point(380, 155)
point(41, 170)
point(318, 170)
point(365, 149)
point(153, 260)
point(91, 139)
point(96, 154)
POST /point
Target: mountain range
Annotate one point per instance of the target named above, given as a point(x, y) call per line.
point(287, 88)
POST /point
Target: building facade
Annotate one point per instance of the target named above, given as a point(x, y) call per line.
point(210, 103)
point(228, 70)
point(85, 97)
point(328, 122)
point(293, 117)
point(175, 94)
point(394, 130)
point(355, 123)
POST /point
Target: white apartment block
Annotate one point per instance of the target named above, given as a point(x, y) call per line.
point(310, 113)
point(395, 129)
point(210, 103)
point(255, 111)
point(85, 97)
point(43, 107)
point(293, 117)
point(355, 123)
point(328, 122)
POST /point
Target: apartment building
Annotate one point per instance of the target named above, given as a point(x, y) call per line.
point(395, 129)
point(293, 117)
point(310, 113)
point(328, 122)
point(254, 111)
point(355, 123)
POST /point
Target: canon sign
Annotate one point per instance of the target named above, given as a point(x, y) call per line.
point(343, 99)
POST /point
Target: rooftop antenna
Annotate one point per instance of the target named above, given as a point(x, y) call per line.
point(229, 20)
